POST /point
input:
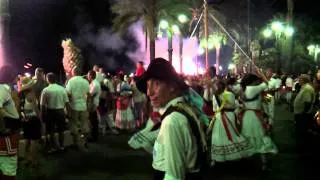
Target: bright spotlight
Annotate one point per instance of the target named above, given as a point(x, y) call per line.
point(200, 51)
point(231, 66)
point(27, 74)
point(277, 26)
point(267, 33)
point(182, 18)
point(164, 24)
point(175, 29)
point(289, 31)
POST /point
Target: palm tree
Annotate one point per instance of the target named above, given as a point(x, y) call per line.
point(289, 39)
point(150, 12)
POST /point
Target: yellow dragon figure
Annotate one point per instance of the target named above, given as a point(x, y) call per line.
point(71, 56)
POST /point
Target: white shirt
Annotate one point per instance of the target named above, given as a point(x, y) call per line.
point(54, 97)
point(78, 87)
point(272, 84)
point(253, 91)
point(236, 89)
point(100, 77)
point(175, 149)
point(6, 103)
point(95, 91)
point(278, 83)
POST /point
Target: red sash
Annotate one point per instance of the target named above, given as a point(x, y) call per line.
point(9, 144)
point(155, 117)
point(288, 88)
point(225, 119)
point(123, 103)
point(207, 110)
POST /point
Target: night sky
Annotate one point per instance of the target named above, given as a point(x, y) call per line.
point(38, 26)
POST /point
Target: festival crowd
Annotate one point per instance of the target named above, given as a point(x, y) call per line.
point(185, 122)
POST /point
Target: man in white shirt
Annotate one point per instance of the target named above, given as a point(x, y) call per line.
point(99, 73)
point(95, 91)
point(78, 90)
point(178, 147)
point(54, 99)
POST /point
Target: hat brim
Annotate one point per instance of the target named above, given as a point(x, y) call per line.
point(141, 82)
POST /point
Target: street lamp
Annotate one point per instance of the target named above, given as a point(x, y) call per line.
point(280, 31)
point(267, 33)
point(314, 50)
point(183, 18)
point(170, 31)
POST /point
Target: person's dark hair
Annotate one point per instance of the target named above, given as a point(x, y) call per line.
point(221, 85)
point(248, 79)
point(92, 74)
point(140, 62)
point(76, 71)
point(51, 77)
point(121, 77)
point(231, 81)
point(40, 70)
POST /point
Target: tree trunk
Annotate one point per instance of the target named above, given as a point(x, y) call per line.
point(181, 52)
point(206, 33)
point(170, 50)
point(289, 44)
point(152, 33)
point(217, 60)
point(4, 31)
point(146, 40)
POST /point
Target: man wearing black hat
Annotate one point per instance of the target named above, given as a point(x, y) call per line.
point(177, 150)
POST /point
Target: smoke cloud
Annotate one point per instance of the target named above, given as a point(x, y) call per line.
point(100, 45)
point(136, 30)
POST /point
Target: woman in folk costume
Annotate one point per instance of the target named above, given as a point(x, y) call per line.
point(254, 125)
point(139, 103)
point(124, 116)
point(227, 143)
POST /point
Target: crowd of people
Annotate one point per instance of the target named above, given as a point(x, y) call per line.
point(174, 115)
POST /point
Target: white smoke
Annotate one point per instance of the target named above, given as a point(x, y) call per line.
point(104, 39)
point(140, 54)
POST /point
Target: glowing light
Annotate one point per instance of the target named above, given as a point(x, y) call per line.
point(289, 31)
point(175, 29)
point(231, 66)
point(159, 35)
point(27, 74)
point(277, 26)
point(182, 18)
point(220, 67)
point(29, 64)
point(267, 33)
point(190, 53)
point(164, 24)
point(25, 66)
point(200, 51)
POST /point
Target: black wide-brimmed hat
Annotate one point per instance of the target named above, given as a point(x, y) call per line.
point(162, 70)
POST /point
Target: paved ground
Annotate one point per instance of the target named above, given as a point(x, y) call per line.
point(112, 159)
